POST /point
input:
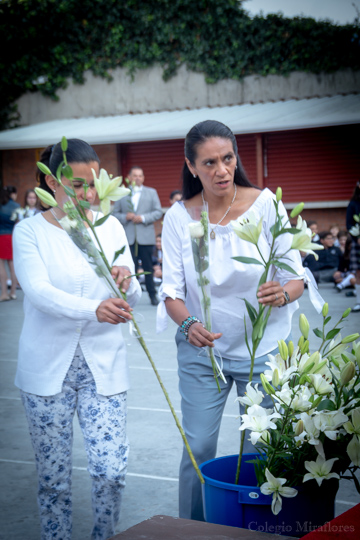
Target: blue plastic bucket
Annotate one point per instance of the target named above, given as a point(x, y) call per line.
point(243, 505)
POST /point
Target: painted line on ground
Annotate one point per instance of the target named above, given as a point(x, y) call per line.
point(149, 409)
point(148, 476)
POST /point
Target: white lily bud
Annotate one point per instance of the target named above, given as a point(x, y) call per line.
point(196, 230)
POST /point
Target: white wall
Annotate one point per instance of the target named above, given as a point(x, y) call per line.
point(148, 92)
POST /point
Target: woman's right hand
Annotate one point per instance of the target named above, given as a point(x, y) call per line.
point(114, 311)
point(200, 337)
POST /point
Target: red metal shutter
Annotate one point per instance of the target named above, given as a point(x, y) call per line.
point(161, 161)
point(314, 164)
point(247, 152)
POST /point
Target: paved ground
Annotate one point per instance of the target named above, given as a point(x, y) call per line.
point(152, 481)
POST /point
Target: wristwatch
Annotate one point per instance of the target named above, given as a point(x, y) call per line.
point(287, 298)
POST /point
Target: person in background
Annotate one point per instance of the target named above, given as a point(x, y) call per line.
point(72, 355)
point(335, 229)
point(213, 174)
point(31, 206)
point(329, 258)
point(137, 213)
point(352, 226)
point(313, 226)
point(343, 277)
point(157, 260)
point(343, 237)
point(175, 196)
point(8, 208)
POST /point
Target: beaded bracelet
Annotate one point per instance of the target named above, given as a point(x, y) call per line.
point(185, 325)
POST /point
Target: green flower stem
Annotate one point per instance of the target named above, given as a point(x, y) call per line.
point(122, 295)
point(255, 345)
point(208, 327)
point(182, 433)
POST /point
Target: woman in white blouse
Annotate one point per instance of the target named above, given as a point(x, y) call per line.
point(72, 354)
point(213, 174)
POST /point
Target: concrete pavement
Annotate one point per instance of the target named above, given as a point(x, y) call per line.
point(156, 445)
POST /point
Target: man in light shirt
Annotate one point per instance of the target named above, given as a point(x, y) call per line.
point(137, 213)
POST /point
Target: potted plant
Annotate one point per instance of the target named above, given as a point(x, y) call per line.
point(310, 436)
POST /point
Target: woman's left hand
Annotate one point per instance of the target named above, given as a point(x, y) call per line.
point(121, 276)
point(271, 293)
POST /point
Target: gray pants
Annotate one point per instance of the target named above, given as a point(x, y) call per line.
point(202, 407)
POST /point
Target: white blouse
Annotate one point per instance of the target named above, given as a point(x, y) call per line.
point(62, 293)
point(230, 281)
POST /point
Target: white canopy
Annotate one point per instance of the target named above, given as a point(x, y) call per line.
point(248, 118)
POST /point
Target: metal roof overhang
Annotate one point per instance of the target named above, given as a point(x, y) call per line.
point(248, 118)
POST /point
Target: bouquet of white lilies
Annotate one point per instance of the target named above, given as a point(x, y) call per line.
point(312, 430)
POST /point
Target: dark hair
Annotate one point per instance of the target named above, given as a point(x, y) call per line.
point(324, 234)
point(11, 189)
point(78, 152)
point(136, 167)
point(175, 192)
point(311, 222)
point(356, 195)
point(197, 136)
point(343, 233)
point(4, 196)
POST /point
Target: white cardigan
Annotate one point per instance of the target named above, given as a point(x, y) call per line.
point(62, 293)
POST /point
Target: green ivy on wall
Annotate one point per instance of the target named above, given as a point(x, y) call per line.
point(45, 42)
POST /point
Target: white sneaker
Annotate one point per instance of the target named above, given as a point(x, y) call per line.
point(356, 308)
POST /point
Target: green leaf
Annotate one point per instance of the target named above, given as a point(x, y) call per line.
point(318, 333)
point(332, 333)
point(117, 254)
point(247, 260)
point(84, 204)
point(69, 191)
point(101, 221)
point(326, 404)
point(67, 172)
point(251, 311)
point(327, 320)
point(290, 230)
point(284, 266)
point(64, 144)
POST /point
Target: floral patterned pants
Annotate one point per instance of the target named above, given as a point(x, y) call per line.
point(103, 424)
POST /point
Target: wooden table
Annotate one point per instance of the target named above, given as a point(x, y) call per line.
point(170, 528)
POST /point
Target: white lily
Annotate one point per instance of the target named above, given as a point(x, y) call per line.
point(312, 432)
point(196, 229)
point(108, 189)
point(275, 487)
point(329, 421)
point(302, 240)
point(319, 470)
point(297, 398)
point(355, 230)
point(253, 396)
point(353, 426)
point(257, 420)
point(320, 384)
point(248, 228)
point(277, 363)
point(353, 450)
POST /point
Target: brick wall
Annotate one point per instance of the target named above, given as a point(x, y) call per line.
point(19, 169)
